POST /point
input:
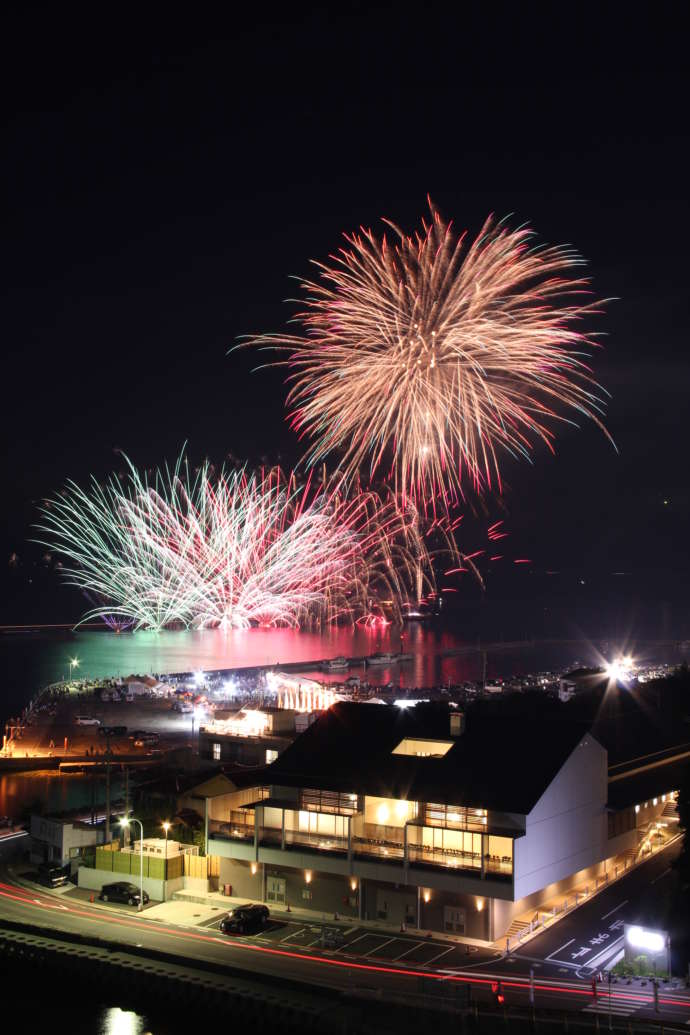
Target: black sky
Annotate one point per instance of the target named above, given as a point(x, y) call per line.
point(164, 179)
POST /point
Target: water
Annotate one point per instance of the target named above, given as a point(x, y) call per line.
point(29, 662)
point(52, 793)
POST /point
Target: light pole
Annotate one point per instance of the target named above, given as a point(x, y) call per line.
point(73, 663)
point(166, 828)
point(124, 822)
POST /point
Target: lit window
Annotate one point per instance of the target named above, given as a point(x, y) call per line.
point(637, 808)
point(216, 752)
point(271, 755)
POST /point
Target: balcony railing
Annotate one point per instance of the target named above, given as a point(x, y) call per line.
point(425, 855)
point(382, 849)
point(230, 831)
point(323, 842)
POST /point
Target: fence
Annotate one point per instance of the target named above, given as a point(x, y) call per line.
point(129, 863)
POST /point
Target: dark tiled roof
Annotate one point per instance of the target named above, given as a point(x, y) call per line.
point(502, 763)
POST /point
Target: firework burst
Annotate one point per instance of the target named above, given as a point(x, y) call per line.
point(427, 358)
point(237, 549)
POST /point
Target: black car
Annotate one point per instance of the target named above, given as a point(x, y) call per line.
point(112, 731)
point(52, 876)
point(244, 919)
point(122, 891)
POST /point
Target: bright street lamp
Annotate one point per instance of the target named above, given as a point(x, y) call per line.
point(73, 663)
point(124, 822)
point(166, 828)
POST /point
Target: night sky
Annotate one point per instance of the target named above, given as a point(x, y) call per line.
point(163, 181)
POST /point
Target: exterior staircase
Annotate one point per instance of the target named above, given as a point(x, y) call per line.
point(670, 812)
point(516, 928)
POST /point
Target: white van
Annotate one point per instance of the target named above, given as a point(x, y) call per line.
point(86, 720)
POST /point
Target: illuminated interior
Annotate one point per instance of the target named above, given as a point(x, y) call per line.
point(422, 748)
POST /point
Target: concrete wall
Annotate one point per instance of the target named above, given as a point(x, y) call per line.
point(158, 890)
point(566, 831)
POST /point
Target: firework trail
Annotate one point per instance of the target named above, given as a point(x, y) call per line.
point(236, 550)
point(427, 358)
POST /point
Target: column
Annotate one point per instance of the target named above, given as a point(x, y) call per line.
point(258, 821)
point(206, 826)
point(282, 832)
point(484, 849)
point(406, 859)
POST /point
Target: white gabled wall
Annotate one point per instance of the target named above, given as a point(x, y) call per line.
point(566, 830)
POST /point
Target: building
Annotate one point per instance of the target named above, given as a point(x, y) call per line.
point(406, 816)
point(251, 736)
point(62, 841)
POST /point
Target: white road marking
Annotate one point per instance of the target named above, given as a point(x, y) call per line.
point(444, 953)
point(377, 947)
point(612, 911)
point(415, 945)
point(293, 934)
point(556, 951)
point(662, 875)
point(365, 935)
point(603, 1007)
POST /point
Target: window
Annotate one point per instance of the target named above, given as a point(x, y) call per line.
point(329, 801)
point(271, 755)
point(216, 752)
point(455, 816)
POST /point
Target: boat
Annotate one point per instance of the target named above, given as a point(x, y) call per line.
point(335, 664)
point(381, 658)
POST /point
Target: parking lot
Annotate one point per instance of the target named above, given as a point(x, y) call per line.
point(361, 943)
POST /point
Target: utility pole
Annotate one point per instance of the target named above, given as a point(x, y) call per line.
point(125, 832)
point(107, 791)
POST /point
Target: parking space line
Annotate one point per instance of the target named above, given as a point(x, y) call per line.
point(444, 953)
point(293, 934)
point(415, 945)
point(365, 935)
point(377, 947)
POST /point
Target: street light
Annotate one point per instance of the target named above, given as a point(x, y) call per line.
point(73, 663)
point(166, 828)
point(124, 822)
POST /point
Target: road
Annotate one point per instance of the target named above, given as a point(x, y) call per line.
point(364, 961)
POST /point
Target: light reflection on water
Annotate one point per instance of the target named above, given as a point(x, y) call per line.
point(114, 1021)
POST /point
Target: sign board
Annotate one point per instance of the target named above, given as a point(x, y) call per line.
point(649, 942)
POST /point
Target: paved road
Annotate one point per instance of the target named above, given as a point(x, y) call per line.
point(583, 942)
point(367, 960)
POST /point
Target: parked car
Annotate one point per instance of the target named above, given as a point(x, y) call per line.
point(52, 876)
point(138, 734)
point(112, 731)
point(183, 706)
point(86, 720)
point(122, 891)
point(245, 919)
point(147, 740)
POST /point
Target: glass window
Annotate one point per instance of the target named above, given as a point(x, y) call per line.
point(216, 752)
